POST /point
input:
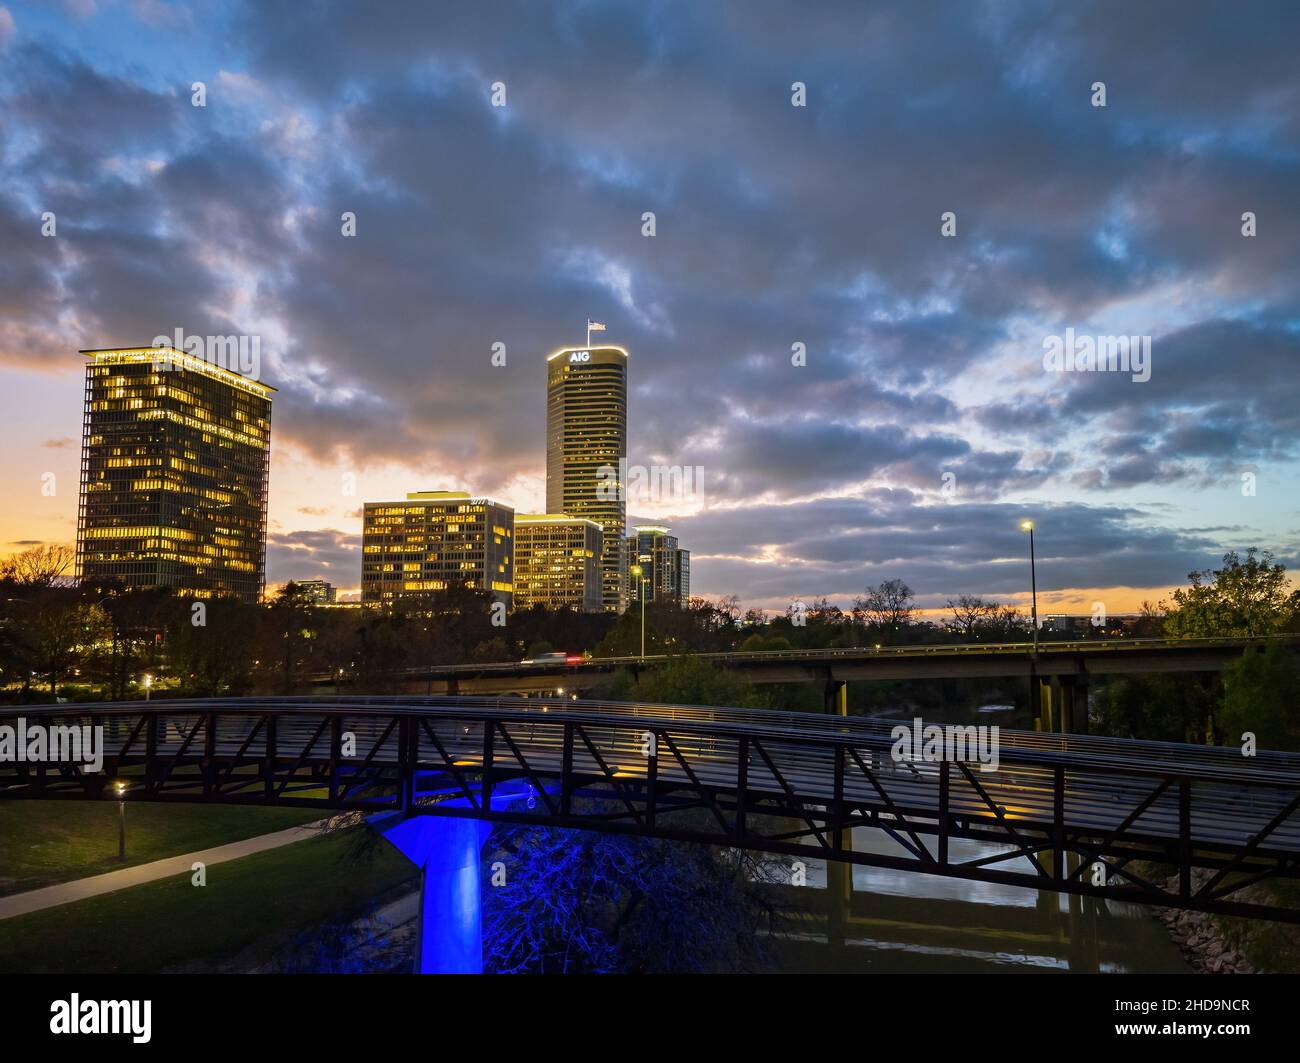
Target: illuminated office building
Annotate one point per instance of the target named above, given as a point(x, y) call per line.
point(175, 454)
point(435, 540)
point(586, 446)
point(317, 591)
point(665, 567)
point(557, 562)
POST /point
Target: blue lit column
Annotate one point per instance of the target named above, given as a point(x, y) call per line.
point(447, 850)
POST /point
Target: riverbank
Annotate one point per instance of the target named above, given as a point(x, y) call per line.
point(1216, 944)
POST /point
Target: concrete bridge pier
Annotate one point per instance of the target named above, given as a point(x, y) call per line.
point(450, 924)
point(1040, 700)
point(1059, 703)
point(448, 850)
point(1074, 703)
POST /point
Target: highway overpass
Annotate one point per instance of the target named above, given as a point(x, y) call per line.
point(1064, 665)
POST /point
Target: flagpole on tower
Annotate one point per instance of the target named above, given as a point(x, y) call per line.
point(588, 333)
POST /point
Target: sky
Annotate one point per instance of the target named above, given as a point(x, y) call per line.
point(859, 395)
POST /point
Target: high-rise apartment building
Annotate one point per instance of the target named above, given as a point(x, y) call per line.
point(586, 446)
point(558, 562)
point(175, 455)
point(665, 567)
point(435, 540)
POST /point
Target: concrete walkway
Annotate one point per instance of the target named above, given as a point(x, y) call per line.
point(96, 885)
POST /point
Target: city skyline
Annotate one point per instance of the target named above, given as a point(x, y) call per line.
point(920, 429)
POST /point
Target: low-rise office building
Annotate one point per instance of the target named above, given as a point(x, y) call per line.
point(434, 540)
point(558, 562)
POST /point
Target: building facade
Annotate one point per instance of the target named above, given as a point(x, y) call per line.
point(558, 562)
point(435, 540)
point(175, 458)
point(318, 591)
point(665, 567)
point(586, 448)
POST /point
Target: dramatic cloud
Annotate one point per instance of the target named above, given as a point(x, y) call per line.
point(923, 421)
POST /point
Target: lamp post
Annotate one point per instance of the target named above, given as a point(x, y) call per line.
point(121, 820)
point(148, 683)
point(636, 571)
point(1028, 525)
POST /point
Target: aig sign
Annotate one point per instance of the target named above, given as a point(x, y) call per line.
point(579, 356)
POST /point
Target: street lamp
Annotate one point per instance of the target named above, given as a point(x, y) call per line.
point(1028, 526)
point(121, 819)
point(148, 682)
point(636, 571)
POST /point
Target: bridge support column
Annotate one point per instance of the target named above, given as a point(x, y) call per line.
point(1069, 714)
point(835, 697)
point(447, 850)
point(1040, 688)
point(450, 934)
point(839, 899)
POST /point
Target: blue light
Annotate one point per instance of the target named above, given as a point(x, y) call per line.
point(447, 849)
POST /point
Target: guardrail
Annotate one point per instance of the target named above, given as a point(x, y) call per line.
point(1045, 649)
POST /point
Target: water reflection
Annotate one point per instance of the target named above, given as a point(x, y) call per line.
point(901, 921)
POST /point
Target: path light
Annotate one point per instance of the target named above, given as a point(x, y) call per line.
point(120, 787)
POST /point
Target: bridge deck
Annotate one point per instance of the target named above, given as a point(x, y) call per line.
point(1095, 798)
point(1076, 656)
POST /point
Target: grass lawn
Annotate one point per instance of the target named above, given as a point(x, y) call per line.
point(43, 842)
point(250, 907)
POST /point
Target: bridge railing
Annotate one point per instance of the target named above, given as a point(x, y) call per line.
point(641, 767)
point(1045, 648)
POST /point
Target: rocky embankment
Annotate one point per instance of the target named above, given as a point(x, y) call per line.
point(1201, 939)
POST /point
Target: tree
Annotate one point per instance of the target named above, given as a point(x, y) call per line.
point(291, 623)
point(691, 681)
point(41, 566)
point(886, 609)
point(215, 657)
point(584, 902)
point(1165, 708)
point(1250, 597)
point(59, 630)
point(970, 613)
point(1261, 695)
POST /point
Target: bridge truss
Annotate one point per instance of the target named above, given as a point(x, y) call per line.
point(1183, 826)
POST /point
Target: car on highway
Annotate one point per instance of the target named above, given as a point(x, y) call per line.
point(558, 657)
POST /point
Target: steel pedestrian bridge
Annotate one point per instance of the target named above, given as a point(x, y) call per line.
point(1068, 813)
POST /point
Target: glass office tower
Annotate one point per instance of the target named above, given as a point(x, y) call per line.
point(586, 448)
point(175, 457)
point(665, 567)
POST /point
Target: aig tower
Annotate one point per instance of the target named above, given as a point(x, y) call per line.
point(586, 449)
